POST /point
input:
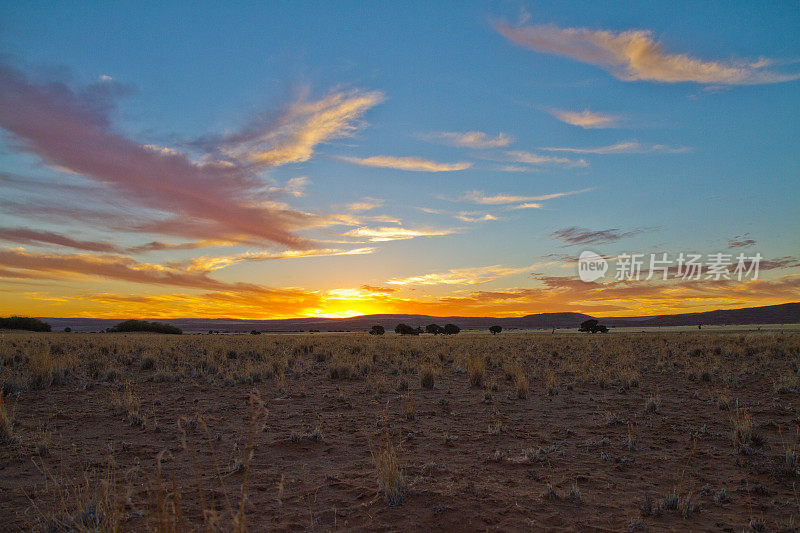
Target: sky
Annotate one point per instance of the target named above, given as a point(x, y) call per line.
point(332, 159)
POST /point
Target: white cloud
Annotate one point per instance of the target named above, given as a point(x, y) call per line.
point(625, 147)
point(469, 139)
point(479, 197)
point(519, 156)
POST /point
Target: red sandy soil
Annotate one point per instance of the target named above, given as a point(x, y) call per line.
point(476, 481)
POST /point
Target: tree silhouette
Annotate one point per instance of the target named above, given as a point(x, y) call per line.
point(377, 330)
point(592, 326)
point(143, 325)
point(451, 329)
point(24, 323)
point(434, 328)
point(495, 329)
point(405, 329)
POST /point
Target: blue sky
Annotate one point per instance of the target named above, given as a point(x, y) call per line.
point(684, 137)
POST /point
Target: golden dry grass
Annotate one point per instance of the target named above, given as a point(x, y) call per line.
point(739, 384)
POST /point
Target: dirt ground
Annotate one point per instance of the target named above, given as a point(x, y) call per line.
point(655, 450)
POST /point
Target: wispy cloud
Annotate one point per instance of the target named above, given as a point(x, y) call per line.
point(158, 246)
point(209, 264)
point(635, 55)
point(299, 129)
point(626, 147)
point(18, 262)
point(383, 234)
point(741, 241)
point(575, 235)
point(379, 290)
point(479, 197)
point(519, 156)
point(366, 204)
point(585, 119)
point(414, 164)
point(461, 276)
point(465, 216)
point(213, 199)
point(517, 168)
point(469, 139)
point(37, 237)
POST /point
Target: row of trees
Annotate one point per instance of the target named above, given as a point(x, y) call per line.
point(434, 329)
point(143, 325)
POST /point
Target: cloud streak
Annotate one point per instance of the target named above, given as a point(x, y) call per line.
point(520, 156)
point(635, 55)
point(625, 147)
point(413, 164)
point(585, 119)
point(469, 139)
point(385, 234)
point(479, 197)
point(461, 276)
point(575, 235)
point(37, 238)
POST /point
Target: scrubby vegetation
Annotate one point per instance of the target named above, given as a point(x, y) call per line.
point(130, 326)
point(24, 323)
point(354, 431)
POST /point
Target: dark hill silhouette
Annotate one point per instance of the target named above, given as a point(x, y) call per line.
point(773, 314)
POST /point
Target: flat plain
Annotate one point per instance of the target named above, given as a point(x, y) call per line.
point(683, 430)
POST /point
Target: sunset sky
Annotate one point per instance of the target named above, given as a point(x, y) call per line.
point(340, 158)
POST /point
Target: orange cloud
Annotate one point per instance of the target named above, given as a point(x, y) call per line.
point(585, 119)
point(414, 164)
point(635, 55)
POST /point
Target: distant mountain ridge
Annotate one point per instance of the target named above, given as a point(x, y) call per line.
point(788, 313)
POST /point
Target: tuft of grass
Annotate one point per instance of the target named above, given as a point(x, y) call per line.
point(551, 382)
point(575, 493)
point(427, 376)
point(476, 369)
point(126, 402)
point(408, 406)
point(521, 382)
point(43, 367)
point(743, 435)
point(388, 469)
point(629, 441)
point(6, 424)
point(653, 403)
point(91, 503)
